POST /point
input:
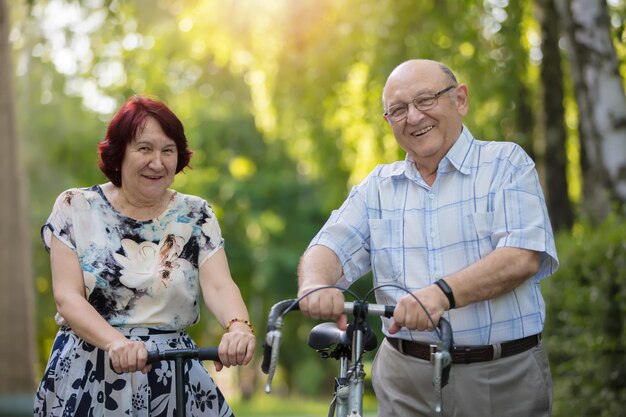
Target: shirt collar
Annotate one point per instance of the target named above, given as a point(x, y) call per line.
point(455, 158)
point(459, 153)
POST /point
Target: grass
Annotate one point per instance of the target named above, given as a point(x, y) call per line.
point(277, 406)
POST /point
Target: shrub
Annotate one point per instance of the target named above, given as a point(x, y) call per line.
point(586, 307)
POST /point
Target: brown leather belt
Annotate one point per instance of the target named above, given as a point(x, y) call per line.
point(467, 354)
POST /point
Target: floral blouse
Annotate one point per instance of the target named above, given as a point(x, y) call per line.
point(137, 273)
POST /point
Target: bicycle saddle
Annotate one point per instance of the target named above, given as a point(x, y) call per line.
point(325, 335)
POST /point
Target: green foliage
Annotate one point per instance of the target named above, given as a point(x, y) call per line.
point(586, 308)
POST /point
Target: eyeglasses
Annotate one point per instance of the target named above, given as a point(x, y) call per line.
point(422, 102)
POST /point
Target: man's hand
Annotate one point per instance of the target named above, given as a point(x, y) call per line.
point(320, 267)
point(323, 304)
point(408, 313)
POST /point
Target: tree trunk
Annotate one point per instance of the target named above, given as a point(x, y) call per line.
point(17, 349)
point(525, 120)
point(601, 104)
point(555, 134)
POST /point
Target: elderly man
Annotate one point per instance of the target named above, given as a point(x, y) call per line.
point(462, 224)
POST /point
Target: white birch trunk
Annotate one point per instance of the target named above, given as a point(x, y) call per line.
point(601, 102)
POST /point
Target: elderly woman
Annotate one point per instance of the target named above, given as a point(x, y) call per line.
point(129, 259)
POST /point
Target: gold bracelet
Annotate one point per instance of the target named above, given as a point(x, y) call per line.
point(237, 320)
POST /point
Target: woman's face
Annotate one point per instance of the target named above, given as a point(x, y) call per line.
point(149, 164)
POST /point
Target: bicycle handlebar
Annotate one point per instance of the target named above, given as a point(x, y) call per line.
point(203, 354)
point(442, 358)
point(272, 341)
point(273, 336)
point(271, 345)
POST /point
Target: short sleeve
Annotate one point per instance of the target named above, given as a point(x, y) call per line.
point(211, 239)
point(59, 223)
point(347, 233)
point(521, 218)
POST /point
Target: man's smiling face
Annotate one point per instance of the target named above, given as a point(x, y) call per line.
point(425, 135)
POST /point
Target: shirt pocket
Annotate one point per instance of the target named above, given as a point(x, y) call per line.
point(386, 249)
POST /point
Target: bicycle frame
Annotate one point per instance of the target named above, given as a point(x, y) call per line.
point(331, 342)
point(348, 400)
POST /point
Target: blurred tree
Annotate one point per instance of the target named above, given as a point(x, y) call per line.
point(601, 104)
point(17, 351)
point(555, 134)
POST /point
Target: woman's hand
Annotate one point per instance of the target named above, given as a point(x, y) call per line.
point(223, 298)
point(128, 356)
point(237, 346)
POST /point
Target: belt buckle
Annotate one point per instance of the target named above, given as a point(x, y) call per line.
point(433, 350)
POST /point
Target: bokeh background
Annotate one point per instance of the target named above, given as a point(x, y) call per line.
point(281, 101)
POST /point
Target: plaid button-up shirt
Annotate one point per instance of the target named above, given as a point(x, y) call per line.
point(486, 195)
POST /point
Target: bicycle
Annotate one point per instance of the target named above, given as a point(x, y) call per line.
point(178, 356)
point(348, 346)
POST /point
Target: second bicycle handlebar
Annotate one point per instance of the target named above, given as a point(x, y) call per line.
point(178, 356)
point(203, 354)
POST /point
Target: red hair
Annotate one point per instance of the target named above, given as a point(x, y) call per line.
point(123, 129)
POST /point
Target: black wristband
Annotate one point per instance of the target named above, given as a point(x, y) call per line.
point(443, 285)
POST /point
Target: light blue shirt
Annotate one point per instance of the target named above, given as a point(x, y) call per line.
point(486, 196)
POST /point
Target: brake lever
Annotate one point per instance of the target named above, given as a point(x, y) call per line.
point(271, 345)
point(443, 360)
point(273, 339)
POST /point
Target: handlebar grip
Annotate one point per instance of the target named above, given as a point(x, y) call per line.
point(205, 353)
point(267, 358)
point(153, 356)
point(446, 334)
point(278, 310)
point(208, 354)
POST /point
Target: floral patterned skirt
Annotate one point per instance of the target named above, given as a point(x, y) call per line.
point(79, 381)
